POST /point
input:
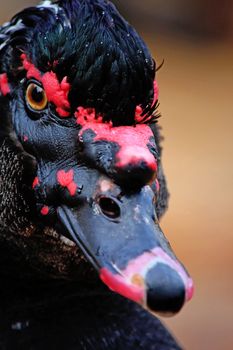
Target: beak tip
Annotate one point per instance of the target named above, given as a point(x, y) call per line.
point(155, 297)
point(166, 290)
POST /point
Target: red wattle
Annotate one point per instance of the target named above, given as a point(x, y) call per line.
point(133, 141)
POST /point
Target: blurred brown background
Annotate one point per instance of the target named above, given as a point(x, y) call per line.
point(195, 37)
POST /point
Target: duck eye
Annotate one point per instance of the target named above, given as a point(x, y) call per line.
point(109, 207)
point(36, 97)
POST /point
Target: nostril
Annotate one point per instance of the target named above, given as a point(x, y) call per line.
point(109, 207)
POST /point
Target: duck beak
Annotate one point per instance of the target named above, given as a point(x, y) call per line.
point(120, 236)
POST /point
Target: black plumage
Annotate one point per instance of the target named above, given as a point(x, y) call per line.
point(58, 169)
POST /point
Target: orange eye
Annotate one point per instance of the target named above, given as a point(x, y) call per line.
point(36, 97)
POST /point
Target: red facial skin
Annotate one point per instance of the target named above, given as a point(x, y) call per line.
point(66, 179)
point(35, 182)
point(132, 140)
point(88, 115)
point(44, 211)
point(4, 85)
point(54, 64)
point(56, 92)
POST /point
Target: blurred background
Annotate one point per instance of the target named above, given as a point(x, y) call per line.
point(195, 38)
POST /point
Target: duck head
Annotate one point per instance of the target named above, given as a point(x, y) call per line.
point(79, 94)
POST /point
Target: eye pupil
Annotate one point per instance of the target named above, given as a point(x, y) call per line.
point(37, 94)
point(36, 97)
point(109, 207)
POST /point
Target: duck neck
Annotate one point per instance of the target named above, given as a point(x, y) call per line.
point(78, 321)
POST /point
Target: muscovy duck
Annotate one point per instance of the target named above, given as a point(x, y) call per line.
point(82, 185)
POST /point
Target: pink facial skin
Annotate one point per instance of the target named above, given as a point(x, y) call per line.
point(120, 285)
